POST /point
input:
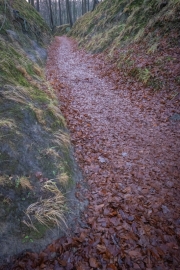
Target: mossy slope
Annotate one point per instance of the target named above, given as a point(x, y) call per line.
point(123, 21)
point(35, 155)
point(131, 30)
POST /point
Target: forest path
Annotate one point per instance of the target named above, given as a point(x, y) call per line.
point(127, 148)
point(126, 141)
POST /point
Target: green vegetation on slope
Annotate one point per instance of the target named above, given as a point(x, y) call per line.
point(129, 28)
point(35, 156)
point(122, 21)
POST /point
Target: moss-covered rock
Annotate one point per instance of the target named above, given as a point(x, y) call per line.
point(36, 164)
point(61, 30)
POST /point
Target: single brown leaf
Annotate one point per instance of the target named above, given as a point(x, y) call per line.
point(134, 253)
point(101, 248)
point(93, 262)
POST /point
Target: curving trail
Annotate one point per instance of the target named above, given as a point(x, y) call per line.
point(127, 146)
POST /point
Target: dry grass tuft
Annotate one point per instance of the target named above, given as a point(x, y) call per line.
point(39, 115)
point(62, 139)
point(17, 94)
point(25, 183)
point(63, 179)
point(3, 180)
point(57, 113)
point(50, 92)
point(51, 186)
point(22, 70)
point(30, 80)
point(47, 211)
point(38, 71)
point(51, 152)
point(7, 123)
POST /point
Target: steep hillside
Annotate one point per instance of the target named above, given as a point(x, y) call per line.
point(35, 157)
point(141, 37)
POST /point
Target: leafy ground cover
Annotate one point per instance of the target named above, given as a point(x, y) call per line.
point(126, 142)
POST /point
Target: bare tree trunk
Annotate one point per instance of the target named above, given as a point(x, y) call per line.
point(51, 15)
point(55, 15)
point(85, 6)
point(74, 11)
point(60, 13)
point(63, 13)
point(69, 12)
point(82, 7)
point(95, 3)
point(37, 6)
point(47, 14)
point(32, 3)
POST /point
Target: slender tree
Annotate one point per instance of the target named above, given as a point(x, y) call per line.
point(84, 6)
point(37, 5)
point(51, 14)
point(32, 3)
point(74, 11)
point(55, 13)
point(60, 13)
point(94, 4)
point(69, 14)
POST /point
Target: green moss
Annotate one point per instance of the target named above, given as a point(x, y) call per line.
point(29, 68)
point(38, 233)
point(10, 58)
point(39, 96)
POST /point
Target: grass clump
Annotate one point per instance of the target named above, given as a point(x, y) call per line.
point(47, 212)
point(51, 186)
point(63, 179)
point(25, 183)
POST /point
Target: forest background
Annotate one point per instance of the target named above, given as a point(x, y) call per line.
point(59, 12)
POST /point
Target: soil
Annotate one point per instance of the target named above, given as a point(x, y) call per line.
point(126, 141)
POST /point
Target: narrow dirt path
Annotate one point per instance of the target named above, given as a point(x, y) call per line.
point(127, 144)
point(128, 151)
